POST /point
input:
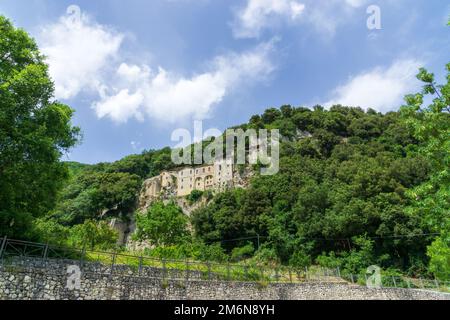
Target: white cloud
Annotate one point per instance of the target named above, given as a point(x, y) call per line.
point(327, 16)
point(324, 16)
point(166, 96)
point(260, 14)
point(356, 3)
point(120, 106)
point(86, 56)
point(380, 88)
point(77, 52)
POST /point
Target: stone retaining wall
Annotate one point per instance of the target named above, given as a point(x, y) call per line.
point(34, 280)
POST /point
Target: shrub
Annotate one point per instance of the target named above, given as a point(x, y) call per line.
point(329, 261)
point(241, 253)
point(300, 259)
point(195, 196)
point(266, 256)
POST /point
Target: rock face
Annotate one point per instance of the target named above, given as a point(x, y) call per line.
point(50, 280)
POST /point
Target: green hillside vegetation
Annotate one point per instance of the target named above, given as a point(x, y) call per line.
point(363, 188)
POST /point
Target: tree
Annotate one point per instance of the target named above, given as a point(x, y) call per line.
point(35, 131)
point(439, 253)
point(93, 235)
point(93, 194)
point(162, 225)
point(431, 126)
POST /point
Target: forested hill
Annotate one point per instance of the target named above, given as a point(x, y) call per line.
point(341, 189)
point(341, 196)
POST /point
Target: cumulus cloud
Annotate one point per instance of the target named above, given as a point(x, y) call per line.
point(84, 55)
point(324, 16)
point(381, 88)
point(77, 51)
point(260, 14)
point(139, 91)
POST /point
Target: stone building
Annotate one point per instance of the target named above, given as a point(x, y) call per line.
point(181, 182)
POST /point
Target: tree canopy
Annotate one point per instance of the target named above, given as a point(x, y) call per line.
point(35, 131)
point(162, 225)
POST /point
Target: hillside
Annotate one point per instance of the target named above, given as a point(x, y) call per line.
point(340, 198)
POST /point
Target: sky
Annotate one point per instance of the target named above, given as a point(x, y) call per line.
point(134, 71)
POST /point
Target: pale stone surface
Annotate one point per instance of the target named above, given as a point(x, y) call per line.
point(181, 182)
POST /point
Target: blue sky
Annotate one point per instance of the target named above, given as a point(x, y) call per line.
point(136, 70)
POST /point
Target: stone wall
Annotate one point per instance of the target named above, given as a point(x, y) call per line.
point(28, 279)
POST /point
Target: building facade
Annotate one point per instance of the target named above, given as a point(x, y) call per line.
point(217, 176)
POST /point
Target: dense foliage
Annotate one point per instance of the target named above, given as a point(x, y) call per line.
point(99, 193)
point(35, 131)
point(431, 126)
point(162, 225)
point(359, 188)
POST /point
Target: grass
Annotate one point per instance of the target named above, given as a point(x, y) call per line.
point(243, 271)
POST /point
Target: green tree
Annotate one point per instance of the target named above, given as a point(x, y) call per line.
point(93, 235)
point(439, 253)
point(162, 225)
point(35, 131)
point(431, 126)
point(94, 194)
point(50, 231)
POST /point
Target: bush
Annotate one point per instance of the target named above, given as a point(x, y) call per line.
point(329, 261)
point(242, 253)
point(358, 260)
point(300, 259)
point(196, 251)
point(266, 256)
point(393, 278)
point(50, 231)
point(212, 253)
point(195, 196)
